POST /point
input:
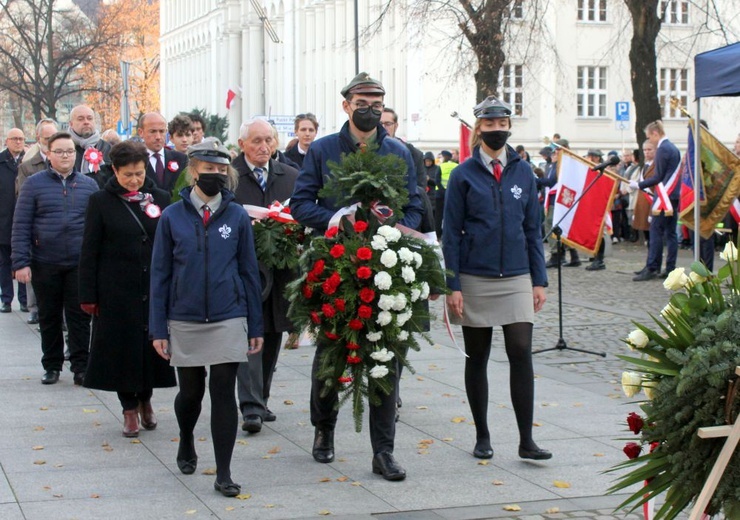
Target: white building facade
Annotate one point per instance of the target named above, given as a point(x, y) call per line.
point(566, 68)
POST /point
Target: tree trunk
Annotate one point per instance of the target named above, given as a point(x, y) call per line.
point(646, 22)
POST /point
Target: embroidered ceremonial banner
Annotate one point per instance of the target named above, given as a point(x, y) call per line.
point(464, 142)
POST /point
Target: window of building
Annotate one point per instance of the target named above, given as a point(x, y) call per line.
point(673, 83)
point(675, 11)
point(511, 81)
point(591, 92)
point(592, 10)
point(516, 10)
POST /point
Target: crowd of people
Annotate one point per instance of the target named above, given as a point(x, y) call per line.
point(142, 251)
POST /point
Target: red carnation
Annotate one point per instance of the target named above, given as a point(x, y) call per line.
point(328, 287)
point(632, 450)
point(353, 346)
point(367, 294)
point(312, 277)
point(355, 324)
point(345, 379)
point(315, 317)
point(364, 272)
point(328, 310)
point(331, 335)
point(307, 291)
point(353, 360)
point(337, 251)
point(364, 253)
point(635, 423)
point(360, 226)
point(318, 266)
point(339, 303)
point(365, 311)
point(335, 279)
point(331, 232)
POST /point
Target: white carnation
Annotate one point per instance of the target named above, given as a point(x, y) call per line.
point(415, 294)
point(417, 259)
point(424, 290)
point(378, 243)
point(402, 318)
point(374, 336)
point(383, 281)
point(408, 274)
point(403, 335)
point(406, 255)
point(382, 355)
point(389, 258)
point(384, 318)
point(399, 302)
point(378, 371)
point(386, 302)
point(385, 231)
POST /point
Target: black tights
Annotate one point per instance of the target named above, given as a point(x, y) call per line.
point(518, 341)
point(224, 415)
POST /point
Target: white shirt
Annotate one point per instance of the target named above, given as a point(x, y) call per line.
point(265, 168)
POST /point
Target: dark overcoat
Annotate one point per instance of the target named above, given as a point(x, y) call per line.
point(280, 181)
point(114, 273)
point(8, 173)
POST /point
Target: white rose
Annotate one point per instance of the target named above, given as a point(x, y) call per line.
point(402, 318)
point(638, 339)
point(386, 302)
point(415, 294)
point(403, 335)
point(424, 290)
point(384, 318)
point(676, 280)
point(405, 255)
point(408, 274)
point(649, 387)
point(389, 258)
point(383, 281)
point(400, 302)
point(669, 309)
point(729, 254)
point(378, 371)
point(378, 243)
point(631, 383)
point(417, 259)
point(696, 278)
point(374, 336)
point(382, 355)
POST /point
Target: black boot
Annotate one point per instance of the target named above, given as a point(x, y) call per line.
point(323, 445)
point(574, 260)
point(554, 260)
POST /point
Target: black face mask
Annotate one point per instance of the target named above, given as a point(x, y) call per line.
point(211, 184)
point(366, 119)
point(495, 139)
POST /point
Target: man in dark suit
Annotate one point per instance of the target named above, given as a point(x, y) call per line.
point(263, 180)
point(10, 158)
point(164, 166)
point(667, 159)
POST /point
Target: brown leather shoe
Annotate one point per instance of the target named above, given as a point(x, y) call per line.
point(148, 419)
point(130, 423)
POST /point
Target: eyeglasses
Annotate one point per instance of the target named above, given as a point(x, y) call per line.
point(388, 124)
point(63, 153)
point(377, 106)
point(16, 138)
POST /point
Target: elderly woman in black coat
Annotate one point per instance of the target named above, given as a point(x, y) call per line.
point(120, 225)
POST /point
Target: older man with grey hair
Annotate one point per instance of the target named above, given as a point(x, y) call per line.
point(263, 180)
point(10, 158)
point(83, 128)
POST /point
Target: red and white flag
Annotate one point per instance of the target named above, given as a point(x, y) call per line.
point(580, 211)
point(735, 210)
point(230, 97)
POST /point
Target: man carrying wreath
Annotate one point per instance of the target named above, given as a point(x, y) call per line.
point(363, 103)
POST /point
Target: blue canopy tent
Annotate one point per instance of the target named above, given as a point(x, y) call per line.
point(716, 73)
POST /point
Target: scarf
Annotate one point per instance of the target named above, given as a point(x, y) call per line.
point(84, 143)
point(145, 200)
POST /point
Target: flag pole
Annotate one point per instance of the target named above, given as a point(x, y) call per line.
point(456, 116)
point(697, 171)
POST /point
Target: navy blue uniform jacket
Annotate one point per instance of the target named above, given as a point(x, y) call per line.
point(667, 159)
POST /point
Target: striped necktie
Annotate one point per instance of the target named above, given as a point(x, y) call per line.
point(260, 174)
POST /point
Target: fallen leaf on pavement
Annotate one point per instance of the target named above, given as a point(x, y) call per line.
point(135, 441)
point(447, 439)
point(552, 510)
point(483, 463)
point(242, 442)
point(325, 479)
point(39, 429)
point(37, 448)
point(512, 507)
point(44, 408)
point(57, 495)
point(190, 511)
point(288, 402)
point(458, 420)
point(498, 482)
point(274, 450)
point(356, 484)
point(202, 439)
point(39, 462)
point(324, 512)
point(269, 506)
point(94, 495)
point(175, 439)
point(229, 508)
point(89, 410)
point(266, 456)
point(58, 465)
point(422, 407)
point(426, 441)
point(47, 488)
point(419, 378)
point(343, 479)
point(209, 471)
point(536, 424)
point(561, 484)
point(243, 496)
point(598, 454)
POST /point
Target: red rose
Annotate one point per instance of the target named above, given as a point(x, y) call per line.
point(355, 324)
point(353, 346)
point(367, 294)
point(654, 446)
point(337, 251)
point(331, 232)
point(353, 360)
point(315, 317)
point(360, 226)
point(339, 303)
point(364, 272)
point(345, 379)
point(318, 267)
point(331, 335)
point(632, 450)
point(328, 287)
point(307, 291)
point(365, 311)
point(364, 253)
point(635, 423)
point(328, 310)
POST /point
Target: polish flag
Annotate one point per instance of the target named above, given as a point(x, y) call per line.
point(583, 199)
point(464, 142)
point(735, 210)
point(230, 97)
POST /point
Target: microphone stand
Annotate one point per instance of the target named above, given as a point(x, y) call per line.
point(557, 231)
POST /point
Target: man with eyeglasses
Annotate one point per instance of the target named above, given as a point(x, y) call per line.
point(34, 163)
point(363, 103)
point(47, 238)
point(10, 158)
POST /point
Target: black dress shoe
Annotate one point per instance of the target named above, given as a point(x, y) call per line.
point(187, 466)
point(5, 307)
point(24, 308)
point(384, 464)
point(79, 378)
point(641, 270)
point(535, 454)
point(252, 424)
point(572, 263)
point(187, 460)
point(647, 274)
point(596, 265)
point(33, 318)
point(323, 445)
point(51, 377)
point(483, 449)
point(269, 416)
point(227, 489)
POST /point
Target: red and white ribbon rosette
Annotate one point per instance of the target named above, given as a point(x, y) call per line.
point(94, 157)
point(173, 166)
point(276, 211)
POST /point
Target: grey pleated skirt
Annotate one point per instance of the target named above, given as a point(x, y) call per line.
point(195, 344)
point(489, 302)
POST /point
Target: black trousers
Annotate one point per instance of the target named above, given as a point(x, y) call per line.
point(56, 290)
point(254, 377)
point(382, 417)
point(6, 278)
